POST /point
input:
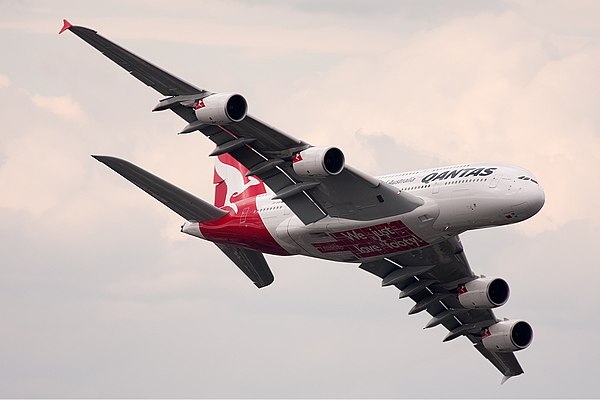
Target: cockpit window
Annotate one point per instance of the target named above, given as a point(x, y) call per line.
point(526, 178)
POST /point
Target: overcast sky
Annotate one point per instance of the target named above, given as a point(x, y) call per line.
point(102, 296)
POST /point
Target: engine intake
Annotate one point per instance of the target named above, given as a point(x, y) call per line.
point(507, 336)
point(319, 162)
point(483, 293)
point(221, 108)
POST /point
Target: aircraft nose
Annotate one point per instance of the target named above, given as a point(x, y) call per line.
point(529, 199)
point(536, 200)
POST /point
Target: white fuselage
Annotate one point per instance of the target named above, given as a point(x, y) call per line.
point(456, 199)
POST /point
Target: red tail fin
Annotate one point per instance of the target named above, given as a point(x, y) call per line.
point(232, 184)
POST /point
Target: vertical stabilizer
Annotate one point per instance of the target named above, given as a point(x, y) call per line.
point(232, 184)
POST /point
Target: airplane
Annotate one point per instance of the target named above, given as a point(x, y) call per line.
point(404, 227)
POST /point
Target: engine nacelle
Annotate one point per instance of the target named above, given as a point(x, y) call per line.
point(221, 108)
point(319, 162)
point(507, 336)
point(483, 293)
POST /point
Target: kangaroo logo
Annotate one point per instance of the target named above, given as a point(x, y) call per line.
point(234, 181)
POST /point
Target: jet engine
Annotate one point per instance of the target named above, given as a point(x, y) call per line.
point(319, 162)
point(507, 336)
point(483, 293)
point(221, 108)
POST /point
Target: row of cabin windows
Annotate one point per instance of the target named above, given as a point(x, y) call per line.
point(466, 181)
point(449, 183)
point(271, 208)
point(393, 176)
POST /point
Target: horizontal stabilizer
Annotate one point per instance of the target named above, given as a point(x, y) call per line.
point(183, 203)
point(252, 263)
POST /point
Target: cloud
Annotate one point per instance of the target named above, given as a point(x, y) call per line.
point(63, 106)
point(100, 300)
point(488, 87)
point(4, 81)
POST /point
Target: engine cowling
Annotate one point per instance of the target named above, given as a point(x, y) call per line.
point(507, 336)
point(482, 293)
point(221, 108)
point(319, 162)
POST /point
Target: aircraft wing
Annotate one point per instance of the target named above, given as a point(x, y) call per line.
point(265, 151)
point(441, 268)
point(150, 74)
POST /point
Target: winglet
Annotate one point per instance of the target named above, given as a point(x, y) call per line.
point(505, 378)
point(66, 25)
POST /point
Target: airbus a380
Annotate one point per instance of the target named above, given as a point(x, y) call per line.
point(403, 228)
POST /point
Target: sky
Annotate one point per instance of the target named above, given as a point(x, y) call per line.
point(102, 296)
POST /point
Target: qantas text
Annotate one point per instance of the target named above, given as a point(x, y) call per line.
point(458, 173)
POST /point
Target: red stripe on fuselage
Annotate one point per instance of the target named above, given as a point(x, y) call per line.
point(244, 228)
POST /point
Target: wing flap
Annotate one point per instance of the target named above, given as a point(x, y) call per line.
point(183, 203)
